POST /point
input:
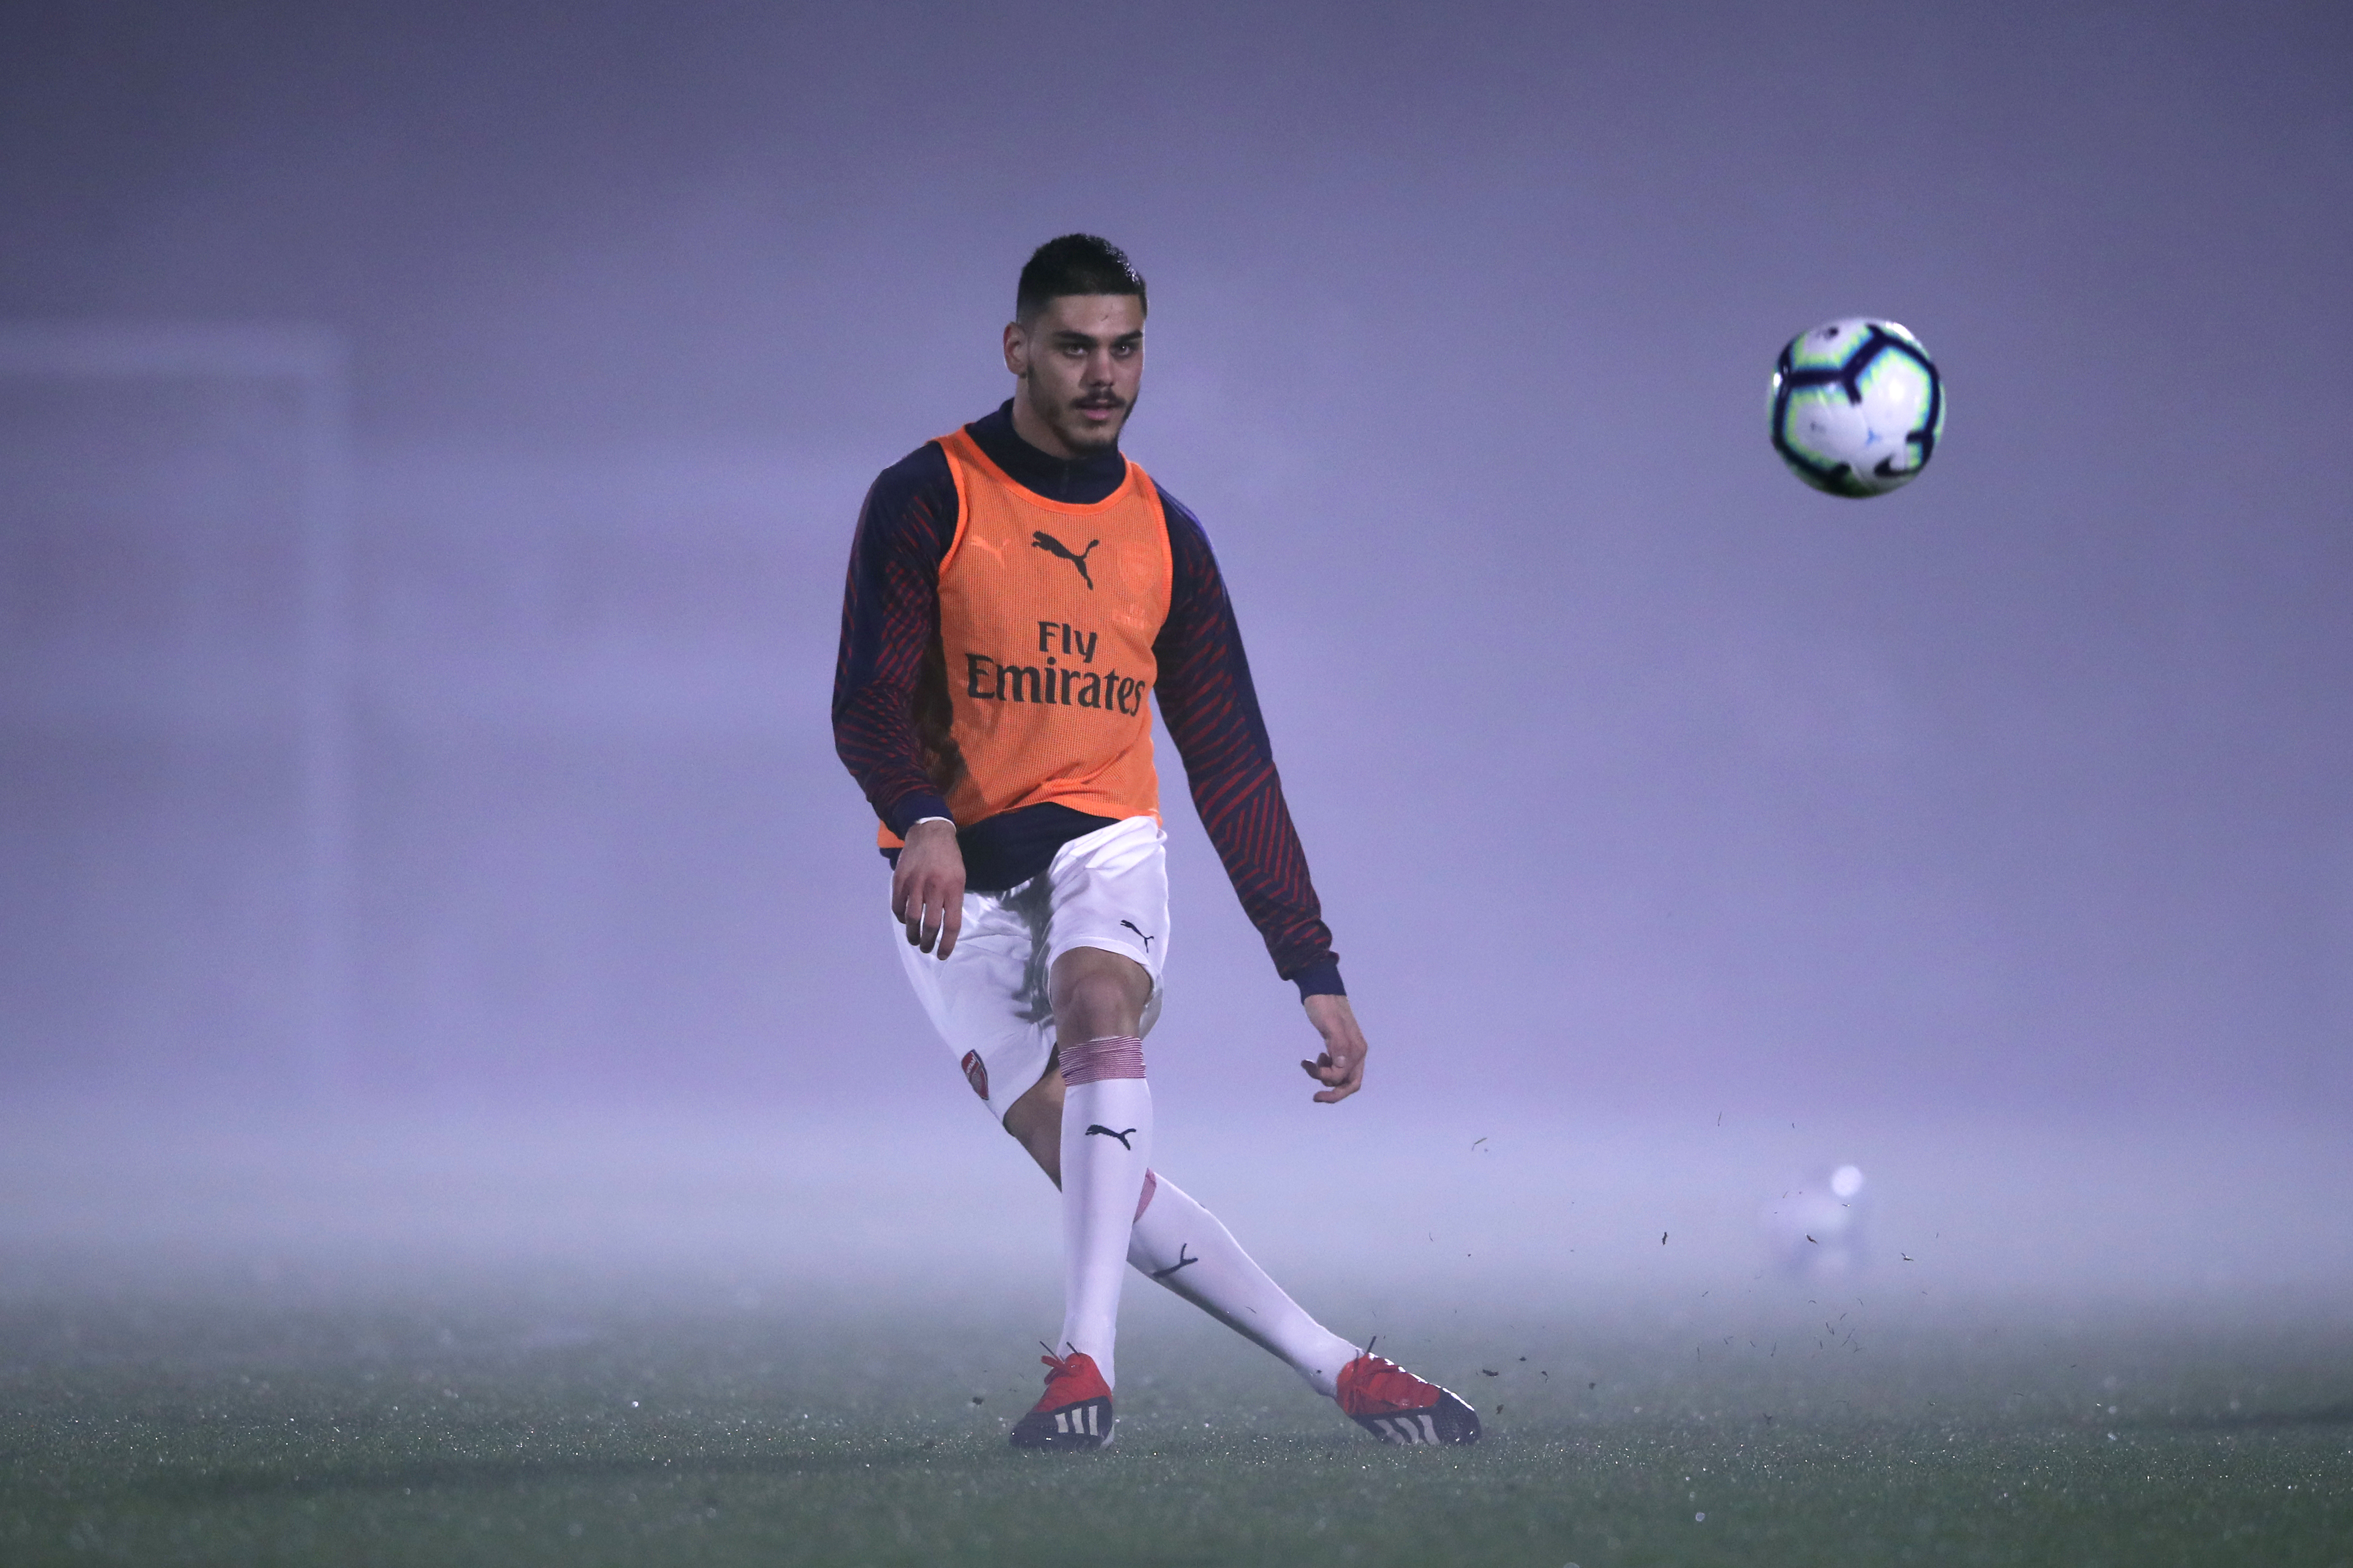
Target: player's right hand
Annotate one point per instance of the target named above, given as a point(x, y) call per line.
point(927, 888)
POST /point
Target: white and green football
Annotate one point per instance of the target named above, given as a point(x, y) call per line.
point(1858, 406)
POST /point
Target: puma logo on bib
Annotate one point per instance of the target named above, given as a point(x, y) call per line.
point(1041, 539)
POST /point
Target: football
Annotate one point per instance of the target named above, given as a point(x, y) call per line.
point(1858, 406)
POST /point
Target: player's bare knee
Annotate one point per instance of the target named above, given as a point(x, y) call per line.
point(1095, 1006)
point(1098, 992)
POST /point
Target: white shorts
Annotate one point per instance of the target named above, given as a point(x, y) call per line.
point(1108, 889)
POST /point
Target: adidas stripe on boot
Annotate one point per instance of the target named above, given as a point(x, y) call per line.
point(1398, 1407)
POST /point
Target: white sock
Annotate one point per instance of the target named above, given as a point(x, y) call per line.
point(1107, 1142)
point(1181, 1244)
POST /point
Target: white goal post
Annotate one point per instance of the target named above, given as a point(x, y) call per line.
point(310, 365)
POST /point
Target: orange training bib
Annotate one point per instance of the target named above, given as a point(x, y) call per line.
point(1047, 614)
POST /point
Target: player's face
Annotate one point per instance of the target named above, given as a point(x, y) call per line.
point(1081, 363)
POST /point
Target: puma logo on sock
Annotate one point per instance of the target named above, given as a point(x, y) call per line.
point(1041, 539)
point(1181, 1262)
point(1096, 1127)
point(1140, 932)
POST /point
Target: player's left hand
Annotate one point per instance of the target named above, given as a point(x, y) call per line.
point(1341, 1067)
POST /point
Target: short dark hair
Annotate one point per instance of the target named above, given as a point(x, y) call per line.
point(1075, 264)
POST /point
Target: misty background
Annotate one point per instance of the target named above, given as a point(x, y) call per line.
point(430, 438)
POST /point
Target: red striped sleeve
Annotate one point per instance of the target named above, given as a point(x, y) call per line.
point(1211, 709)
point(890, 624)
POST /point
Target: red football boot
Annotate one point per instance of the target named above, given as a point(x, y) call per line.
point(1076, 1410)
point(1398, 1407)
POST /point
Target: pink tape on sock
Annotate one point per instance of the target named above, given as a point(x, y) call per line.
point(1144, 1199)
point(1113, 1056)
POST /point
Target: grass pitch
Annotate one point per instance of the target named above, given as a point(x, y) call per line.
point(606, 1422)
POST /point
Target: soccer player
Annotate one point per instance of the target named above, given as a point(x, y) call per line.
point(1017, 590)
